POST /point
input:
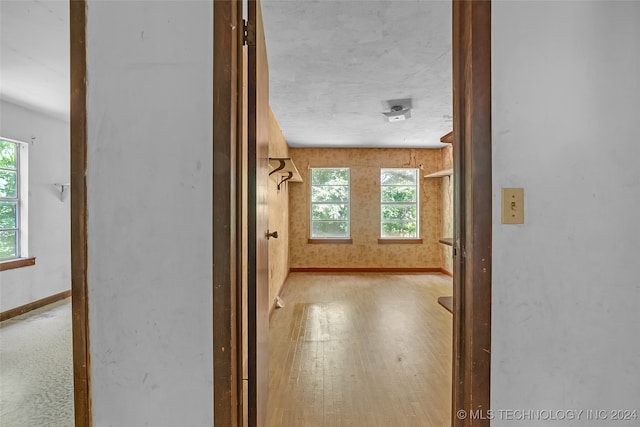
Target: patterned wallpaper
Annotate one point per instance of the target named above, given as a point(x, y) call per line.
point(278, 214)
point(365, 252)
point(447, 208)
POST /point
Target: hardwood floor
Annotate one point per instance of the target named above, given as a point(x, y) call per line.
point(361, 350)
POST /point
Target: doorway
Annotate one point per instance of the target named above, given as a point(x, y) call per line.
point(472, 211)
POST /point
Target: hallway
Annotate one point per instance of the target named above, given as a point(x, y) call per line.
point(361, 350)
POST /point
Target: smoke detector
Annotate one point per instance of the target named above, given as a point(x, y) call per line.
point(398, 113)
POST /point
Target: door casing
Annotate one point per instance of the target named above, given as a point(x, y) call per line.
point(472, 213)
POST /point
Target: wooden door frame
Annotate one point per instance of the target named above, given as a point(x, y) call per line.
point(472, 213)
point(227, 208)
point(472, 216)
point(78, 141)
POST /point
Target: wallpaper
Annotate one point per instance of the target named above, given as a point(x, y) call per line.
point(365, 251)
point(447, 208)
point(278, 214)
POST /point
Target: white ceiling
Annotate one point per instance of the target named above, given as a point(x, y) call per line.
point(334, 64)
point(34, 55)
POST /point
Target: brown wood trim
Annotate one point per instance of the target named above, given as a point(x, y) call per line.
point(364, 270)
point(330, 241)
point(447, 303)
point(227, 383)
point(472, 211)
point(240, 381)
point(17, 263)
point(446, 272)
point(448, 138)
point(79, 300)
point(400, 241)
point(34, 305)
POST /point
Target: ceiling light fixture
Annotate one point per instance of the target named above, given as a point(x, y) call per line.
point(398, 113)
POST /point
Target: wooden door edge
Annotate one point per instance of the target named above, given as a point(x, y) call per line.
point(78, 144)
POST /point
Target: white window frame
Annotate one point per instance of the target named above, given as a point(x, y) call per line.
point(416, 203)
point(311, 203)
point(22, 193)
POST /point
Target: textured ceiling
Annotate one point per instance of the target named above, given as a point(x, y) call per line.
point(34, 55)
point(334, 64)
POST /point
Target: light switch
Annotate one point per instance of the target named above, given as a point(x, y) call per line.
point(513, 205)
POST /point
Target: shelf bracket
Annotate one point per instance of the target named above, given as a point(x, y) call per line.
point(285, 178)
point(279, 168)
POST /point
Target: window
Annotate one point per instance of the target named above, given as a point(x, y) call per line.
point(12, 199)
point(399, 197)
point(330, 203)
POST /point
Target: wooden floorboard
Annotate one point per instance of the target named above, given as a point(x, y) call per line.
point(361, 350)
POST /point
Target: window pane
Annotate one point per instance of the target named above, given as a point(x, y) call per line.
point(399, 203)
point(398, 176)
point(398, 194)
point(8, 154)
point(399, 229)
point(330, 194)
point(399, 212)
point(330, 212)
point(8, 183)
point(8, 246)
point(330, 202)
point(330, 229)
point(8, 214)
point(330, 176)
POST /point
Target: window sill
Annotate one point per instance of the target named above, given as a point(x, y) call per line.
point(331, 241)
point(400, 241)
point(17, 263)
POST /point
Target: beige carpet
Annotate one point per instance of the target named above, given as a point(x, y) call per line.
point(36, 368)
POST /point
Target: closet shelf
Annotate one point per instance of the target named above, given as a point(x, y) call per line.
point(448, 138)
point(447, 303)
point(440, 174)
point(446, 241)
point(283, 169)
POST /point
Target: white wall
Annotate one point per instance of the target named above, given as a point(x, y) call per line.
point(48, 216)
point(566, 284)
point(149, 184)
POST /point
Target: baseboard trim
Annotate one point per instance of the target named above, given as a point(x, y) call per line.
point(365, 270)
point(447, 272)
point(34, 305)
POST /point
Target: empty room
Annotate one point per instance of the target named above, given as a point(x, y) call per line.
point(361, 198)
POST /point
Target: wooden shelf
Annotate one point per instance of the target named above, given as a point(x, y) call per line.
point(440, 174)
point(283, 169)
point(448, 138)
point(447, 303)
point(446, 241)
